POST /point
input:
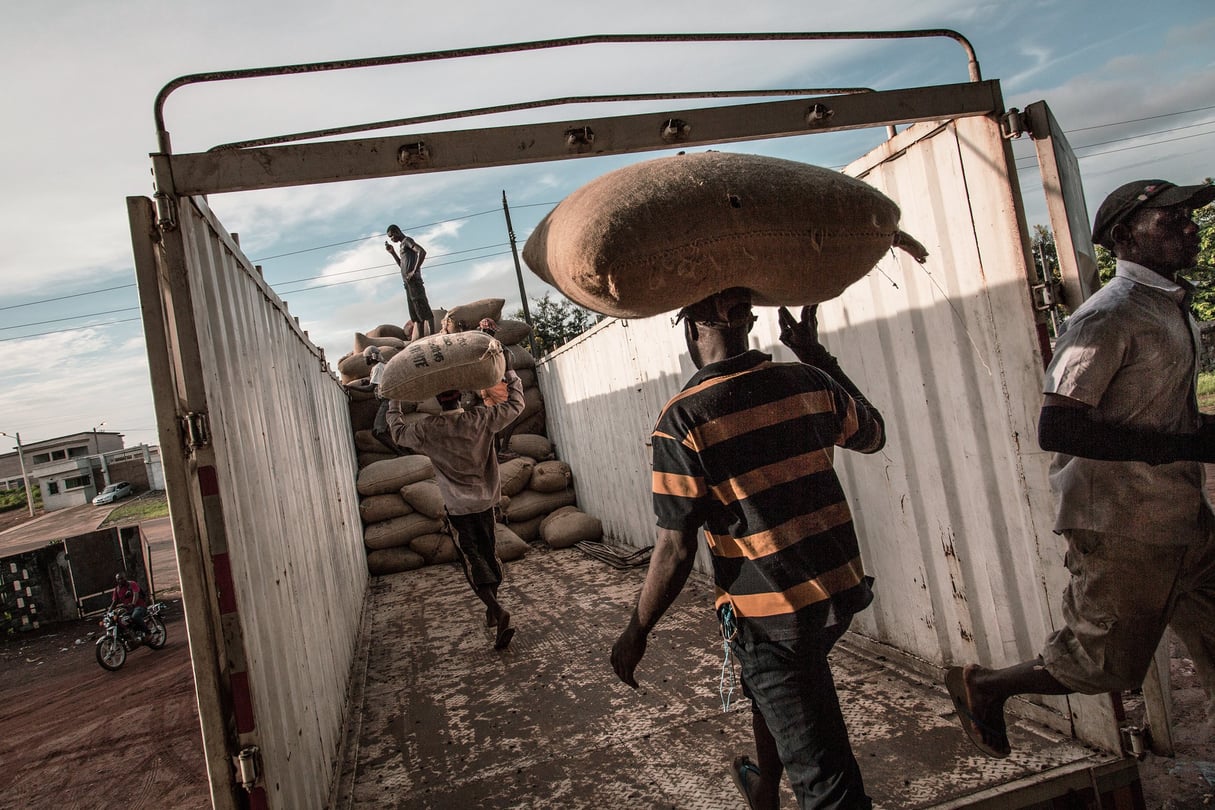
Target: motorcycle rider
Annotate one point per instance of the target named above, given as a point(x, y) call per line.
point(127, 592)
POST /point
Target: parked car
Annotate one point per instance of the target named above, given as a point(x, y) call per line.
point(114, 491)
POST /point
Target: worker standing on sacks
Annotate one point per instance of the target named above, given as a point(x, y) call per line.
point(460, 444)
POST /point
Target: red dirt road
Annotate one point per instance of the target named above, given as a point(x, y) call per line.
point(76, 736)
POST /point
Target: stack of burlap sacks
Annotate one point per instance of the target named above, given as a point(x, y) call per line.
point(404, 522)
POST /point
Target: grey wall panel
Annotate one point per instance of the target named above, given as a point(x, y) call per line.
point(286, 474)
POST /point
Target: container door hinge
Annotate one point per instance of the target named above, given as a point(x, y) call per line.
point(166, 211)
point(1046, 296)
point(197, 429)
point(1012, 124)
point(1135, 741)
point(248, 767)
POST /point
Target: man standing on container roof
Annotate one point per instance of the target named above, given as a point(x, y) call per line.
point(409, 256)
point(745, 450)
point(1121, 414)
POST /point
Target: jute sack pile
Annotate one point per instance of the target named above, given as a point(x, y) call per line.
point(511, 331)
point(662, 234)
point(468, 316)
point(508, 545)
point(435, 549)
point(467, 361)
point(529, 504)
point(377, 508)
point(550, 476)
point(515, 475)
point(424, 497)
point(569, 525)
point(531, 445)
point(393, 561)
point(391, 474)
point(388, 330)
point(399, 531)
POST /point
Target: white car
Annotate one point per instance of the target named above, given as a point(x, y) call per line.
point(116, 490)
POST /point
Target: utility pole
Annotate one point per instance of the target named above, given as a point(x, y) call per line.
point(29, 499)
point(527, 315)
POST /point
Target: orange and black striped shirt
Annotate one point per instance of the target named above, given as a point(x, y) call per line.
point(745, 450)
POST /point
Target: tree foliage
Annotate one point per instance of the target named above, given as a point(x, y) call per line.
point(555, 322)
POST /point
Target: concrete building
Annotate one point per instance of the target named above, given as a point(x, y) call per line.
point(70, 470)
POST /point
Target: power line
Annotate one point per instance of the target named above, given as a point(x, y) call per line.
point(1032, 158)
point(61, 331)
point(73, 318)
point(65, 297)
point(1138, 120)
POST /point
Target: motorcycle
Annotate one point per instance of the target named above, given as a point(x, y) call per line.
point(118, 637)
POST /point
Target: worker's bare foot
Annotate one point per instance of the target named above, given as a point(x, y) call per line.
point(981, 717)
point(505, 631)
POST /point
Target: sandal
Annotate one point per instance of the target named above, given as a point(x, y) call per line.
point(743, 770)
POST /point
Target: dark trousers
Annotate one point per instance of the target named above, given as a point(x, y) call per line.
point(789, 682)
point(475, 548)
point(419, 306)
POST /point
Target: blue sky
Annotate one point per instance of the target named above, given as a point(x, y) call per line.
point(1133, 84)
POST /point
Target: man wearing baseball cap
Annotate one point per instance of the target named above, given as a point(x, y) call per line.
point(1121, 414)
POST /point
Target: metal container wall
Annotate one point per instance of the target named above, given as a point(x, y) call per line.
point(955, 513)
point(270, 501)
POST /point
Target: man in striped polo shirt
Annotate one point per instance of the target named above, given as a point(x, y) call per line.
point(745, 450)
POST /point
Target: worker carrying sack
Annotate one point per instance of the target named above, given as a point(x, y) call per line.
point(464, 361)
point(659, 235)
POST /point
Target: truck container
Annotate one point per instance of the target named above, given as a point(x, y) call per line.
point(954, 515)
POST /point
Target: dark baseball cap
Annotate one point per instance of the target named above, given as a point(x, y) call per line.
point(1129, 198)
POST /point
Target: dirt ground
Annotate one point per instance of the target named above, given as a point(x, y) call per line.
point(77, 736)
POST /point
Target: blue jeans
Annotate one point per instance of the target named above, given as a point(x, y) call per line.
point(790, 684)
point(137, 614)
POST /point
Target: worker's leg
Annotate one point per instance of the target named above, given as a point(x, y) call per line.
point(1194, 614)
point(791, 684)
point(475, 545)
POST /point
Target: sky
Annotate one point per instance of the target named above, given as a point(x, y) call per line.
point(1132, 84)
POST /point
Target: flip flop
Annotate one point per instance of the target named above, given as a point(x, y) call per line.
point(505, 632)
point(955, 684)
point(741, 770)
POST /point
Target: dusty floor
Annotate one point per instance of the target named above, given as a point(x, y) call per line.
point(79, 737)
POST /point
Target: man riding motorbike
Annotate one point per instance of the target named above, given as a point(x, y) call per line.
point(128, 593)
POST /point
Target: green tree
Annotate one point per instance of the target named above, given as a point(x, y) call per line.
point(556, 322)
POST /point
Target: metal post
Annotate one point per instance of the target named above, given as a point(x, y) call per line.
point(514, 250)
point(29, 498)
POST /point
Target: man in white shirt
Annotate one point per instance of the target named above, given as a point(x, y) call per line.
point(1121, 413)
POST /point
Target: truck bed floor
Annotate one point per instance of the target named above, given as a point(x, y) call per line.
point(441, 720)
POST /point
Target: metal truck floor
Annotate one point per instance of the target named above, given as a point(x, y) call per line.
point(441, 720)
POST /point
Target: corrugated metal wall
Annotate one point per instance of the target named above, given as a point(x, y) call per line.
point(955, 513)
point(285, 465)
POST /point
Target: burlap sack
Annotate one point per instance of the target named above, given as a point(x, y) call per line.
point(360, 391)
point(435, 548)
point(424, 497)
point(550, 476)
point(367, 459)
point(529, 503)
point(378, 508)
point(529, 530)
point(387, 330)
point(570, 527)
point(508, 545)
point(511, 332)
point(565, 510)
point(527, 376)
point(366, 442)
point(520, 358)
point(533, 403)
point(467, 316)
point(399, 531)
point(467, 361)
point(353, 367)
point(661, 234)
point(515, 475)
point(532, 446)
point(391, 474)
point(393, 561)
point(362, 341)
point(362, 413)
point(533, 424)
